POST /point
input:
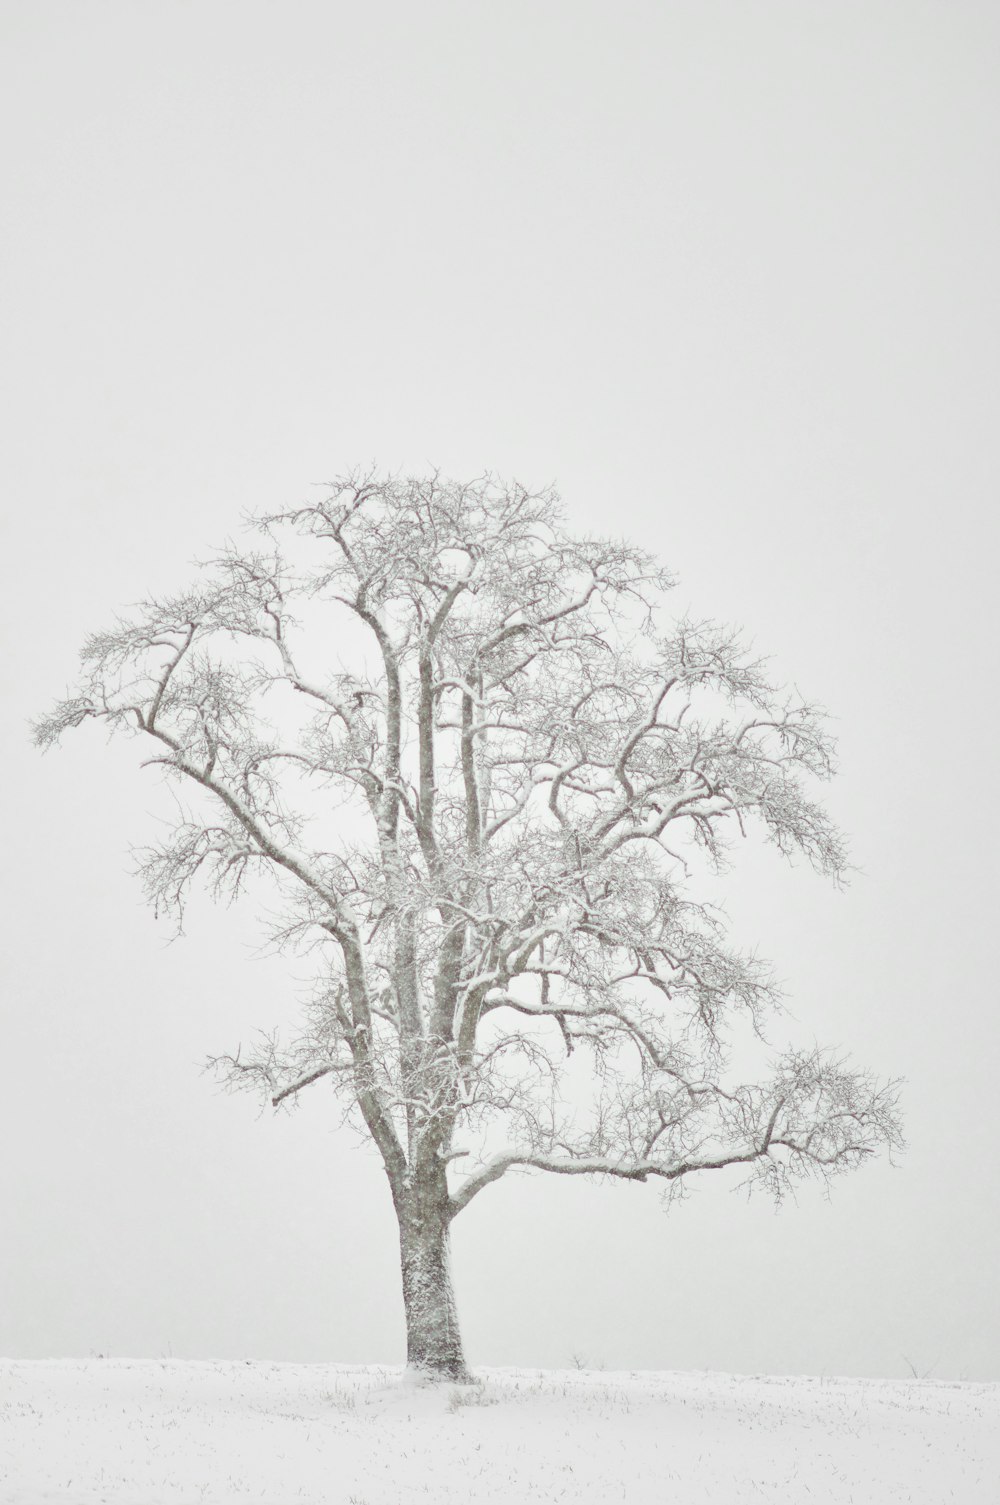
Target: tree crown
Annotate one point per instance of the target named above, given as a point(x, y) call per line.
point(489, 825)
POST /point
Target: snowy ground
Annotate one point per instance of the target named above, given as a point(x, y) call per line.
point(146, 1432)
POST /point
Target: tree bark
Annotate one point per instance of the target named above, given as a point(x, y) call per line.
point(433, 1339)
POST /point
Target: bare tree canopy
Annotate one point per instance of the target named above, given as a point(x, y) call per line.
point(489, 827)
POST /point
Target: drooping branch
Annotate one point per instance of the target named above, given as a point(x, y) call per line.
point(823, 1119)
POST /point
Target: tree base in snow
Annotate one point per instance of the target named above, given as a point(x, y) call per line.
point(439, 1374)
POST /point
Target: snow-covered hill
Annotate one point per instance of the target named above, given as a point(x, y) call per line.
point(174, 1433)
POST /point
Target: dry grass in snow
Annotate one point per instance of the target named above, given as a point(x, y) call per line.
point(121, 1432)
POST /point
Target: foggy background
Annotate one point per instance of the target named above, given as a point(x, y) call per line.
point(727, 274)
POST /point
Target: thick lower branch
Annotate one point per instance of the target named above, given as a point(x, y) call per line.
point(637, 1169)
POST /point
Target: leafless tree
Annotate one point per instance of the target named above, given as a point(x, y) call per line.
point(490, 831)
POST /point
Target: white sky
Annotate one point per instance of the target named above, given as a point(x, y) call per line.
point(728, 274)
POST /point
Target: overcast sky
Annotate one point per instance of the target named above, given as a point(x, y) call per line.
point(727, 274)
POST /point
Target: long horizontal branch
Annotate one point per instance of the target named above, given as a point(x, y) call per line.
point(582, 1165)
point(638, 1168)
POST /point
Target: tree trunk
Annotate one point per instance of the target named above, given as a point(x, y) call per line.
point(433, 1340)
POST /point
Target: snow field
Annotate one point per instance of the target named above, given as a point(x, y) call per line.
point(168, 1432)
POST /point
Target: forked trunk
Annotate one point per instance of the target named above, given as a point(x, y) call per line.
point(433, 1340)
